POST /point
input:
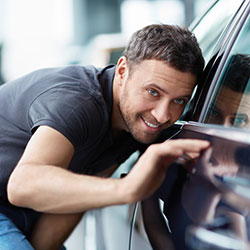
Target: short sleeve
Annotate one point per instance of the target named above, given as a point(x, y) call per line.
point(70, 110)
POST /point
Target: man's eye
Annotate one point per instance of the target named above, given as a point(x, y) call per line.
point(153, 92)
point(240, 120)
point(179, 101)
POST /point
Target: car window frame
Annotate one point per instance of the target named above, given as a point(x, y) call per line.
point(216, 65)
point(191, 108)
point(223, 36)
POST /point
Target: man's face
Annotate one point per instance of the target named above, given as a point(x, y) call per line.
point(152, 98)
point(231, 108)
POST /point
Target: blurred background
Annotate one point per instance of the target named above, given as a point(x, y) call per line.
point(49, 33)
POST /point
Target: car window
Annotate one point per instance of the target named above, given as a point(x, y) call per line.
point(230, 103)
point(210, 31)
point(210, 27)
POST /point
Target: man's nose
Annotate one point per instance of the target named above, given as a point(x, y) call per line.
point(161, 113)
point(228, 121)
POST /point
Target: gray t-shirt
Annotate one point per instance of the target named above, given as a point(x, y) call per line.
point(74, 100)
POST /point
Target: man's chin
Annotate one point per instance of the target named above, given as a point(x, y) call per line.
point(146, 139)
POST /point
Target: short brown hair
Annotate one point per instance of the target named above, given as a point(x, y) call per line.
point(169, 43)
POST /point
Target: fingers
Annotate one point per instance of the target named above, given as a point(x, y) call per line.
point(149, 171)
point(191, 145)
point(180, 146)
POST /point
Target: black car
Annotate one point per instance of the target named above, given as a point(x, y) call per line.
point(206, 204)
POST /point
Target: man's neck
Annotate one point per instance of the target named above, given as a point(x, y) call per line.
point(117, 121)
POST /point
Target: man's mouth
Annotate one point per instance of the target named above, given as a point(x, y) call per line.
point(151, 125)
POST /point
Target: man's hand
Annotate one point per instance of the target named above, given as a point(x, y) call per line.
point(149, 172)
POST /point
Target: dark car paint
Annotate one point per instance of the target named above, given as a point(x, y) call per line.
point(219, 180)
point(196, 194)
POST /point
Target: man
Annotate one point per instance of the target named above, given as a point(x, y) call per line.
point(61, 129)
point(231, 106)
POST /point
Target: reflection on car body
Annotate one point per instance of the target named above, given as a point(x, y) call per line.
point(207, 195)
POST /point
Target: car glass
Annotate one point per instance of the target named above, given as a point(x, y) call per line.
point(210, 30)
point(230, 103)
point(212, 24)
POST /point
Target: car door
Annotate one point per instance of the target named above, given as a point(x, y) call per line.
point(205, 205)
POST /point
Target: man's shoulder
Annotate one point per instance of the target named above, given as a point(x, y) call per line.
point(86, 79)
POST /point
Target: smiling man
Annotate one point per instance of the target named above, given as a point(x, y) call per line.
point(152, 98)
point(64, 129)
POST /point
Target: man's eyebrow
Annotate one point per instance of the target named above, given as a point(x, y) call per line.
point(242, 114)
point(164, 91)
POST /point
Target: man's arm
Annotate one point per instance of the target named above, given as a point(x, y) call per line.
point(41, 181)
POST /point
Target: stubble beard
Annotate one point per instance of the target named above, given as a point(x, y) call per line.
point(130, 120)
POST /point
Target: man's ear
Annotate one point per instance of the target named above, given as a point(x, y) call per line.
point(121, 70)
